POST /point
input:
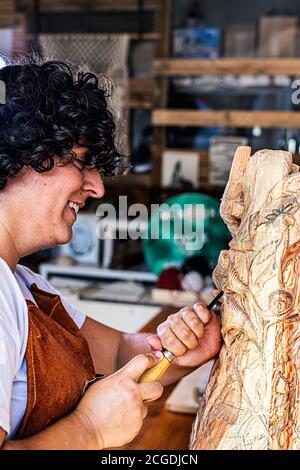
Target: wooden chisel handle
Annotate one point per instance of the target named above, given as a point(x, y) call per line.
point(156, 372)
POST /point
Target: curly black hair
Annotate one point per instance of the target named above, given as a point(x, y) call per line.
point(48, 111)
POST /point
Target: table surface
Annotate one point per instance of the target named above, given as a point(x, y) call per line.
point(162, 430)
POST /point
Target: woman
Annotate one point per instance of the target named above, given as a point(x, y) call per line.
point(56, 142)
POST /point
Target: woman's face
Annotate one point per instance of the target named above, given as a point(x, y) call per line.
point(48, 202)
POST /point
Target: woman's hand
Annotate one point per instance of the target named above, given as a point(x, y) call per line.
point(113, 408)
point(192, 335)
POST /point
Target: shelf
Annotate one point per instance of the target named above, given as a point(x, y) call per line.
point(130, 180)
point(7, 20)
point(7, 7)
point(136, 103)
point(141, 93)
point(95, 36)
point(232, 66)
point(83, 271)
point(226, 118)
point(56, 6)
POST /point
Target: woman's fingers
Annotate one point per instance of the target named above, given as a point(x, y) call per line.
point(170, 341)
point(202, 311)
point(150, 391)
point(192, 320)
point(183, 332)
point(184, 329)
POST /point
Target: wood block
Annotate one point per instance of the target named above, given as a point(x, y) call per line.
point(7, 6)
point(252, 399)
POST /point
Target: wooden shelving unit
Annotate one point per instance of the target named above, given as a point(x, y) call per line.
point(164, 68)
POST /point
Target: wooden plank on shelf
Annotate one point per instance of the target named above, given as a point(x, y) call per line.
point(7, 6)
point(12, 20)
point(226, 118)
point(141, 85)
point(95, 36)
point(47, 6)
point(129, 180)
point(139, 103)
point(141, 93)
point(6, 21)
point(237, 66)
point(144, 36)
point(129, 5)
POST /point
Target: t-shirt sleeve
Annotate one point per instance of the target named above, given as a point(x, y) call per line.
point(77, 315)
point(11, 350)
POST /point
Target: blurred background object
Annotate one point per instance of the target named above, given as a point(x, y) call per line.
point(185, 225)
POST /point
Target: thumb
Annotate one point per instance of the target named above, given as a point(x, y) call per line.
point(137, 366)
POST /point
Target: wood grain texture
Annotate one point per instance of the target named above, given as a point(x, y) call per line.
point(227, 118)
point(252, 399)
point(91, 5)
point(250, 66)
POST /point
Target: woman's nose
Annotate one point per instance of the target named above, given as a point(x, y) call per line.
point(93, 184)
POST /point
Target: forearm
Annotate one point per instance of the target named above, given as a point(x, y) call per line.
point(104, 344)
point(74, 432)
point(132, 344)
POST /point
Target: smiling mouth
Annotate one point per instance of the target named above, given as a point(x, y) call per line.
point(74, 207)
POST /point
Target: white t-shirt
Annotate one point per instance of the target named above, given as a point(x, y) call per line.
point(14, 289)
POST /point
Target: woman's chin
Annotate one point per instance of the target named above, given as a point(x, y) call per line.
point(65, 236)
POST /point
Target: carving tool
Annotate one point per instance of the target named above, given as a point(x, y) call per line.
point(157, 371)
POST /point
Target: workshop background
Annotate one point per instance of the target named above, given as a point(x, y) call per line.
point(192, 80)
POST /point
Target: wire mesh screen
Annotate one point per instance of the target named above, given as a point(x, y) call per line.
point(106, 56)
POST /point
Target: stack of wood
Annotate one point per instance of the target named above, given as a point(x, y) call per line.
point(65, 5)
point(7, 13)
point(11, 18)
point(90, 5)
point(252, 399)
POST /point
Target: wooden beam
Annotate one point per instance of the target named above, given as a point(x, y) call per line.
point(161, 91)
point(142, 103)
point(95, 36)
point(7, 6)
point(235, 66)
point(226, 118)
point(94, 5)
point(141, 92)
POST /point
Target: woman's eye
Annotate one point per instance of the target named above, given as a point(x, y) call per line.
point(79, 163)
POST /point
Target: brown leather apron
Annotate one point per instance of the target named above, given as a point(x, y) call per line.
point(59, 363)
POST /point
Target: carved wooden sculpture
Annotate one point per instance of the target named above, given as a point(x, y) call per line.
point(253, 397)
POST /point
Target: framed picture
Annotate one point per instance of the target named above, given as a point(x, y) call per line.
point(180, 168)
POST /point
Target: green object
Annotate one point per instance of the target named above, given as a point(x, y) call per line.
point(183, 226)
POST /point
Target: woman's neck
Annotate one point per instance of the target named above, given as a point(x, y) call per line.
point(8, 247)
